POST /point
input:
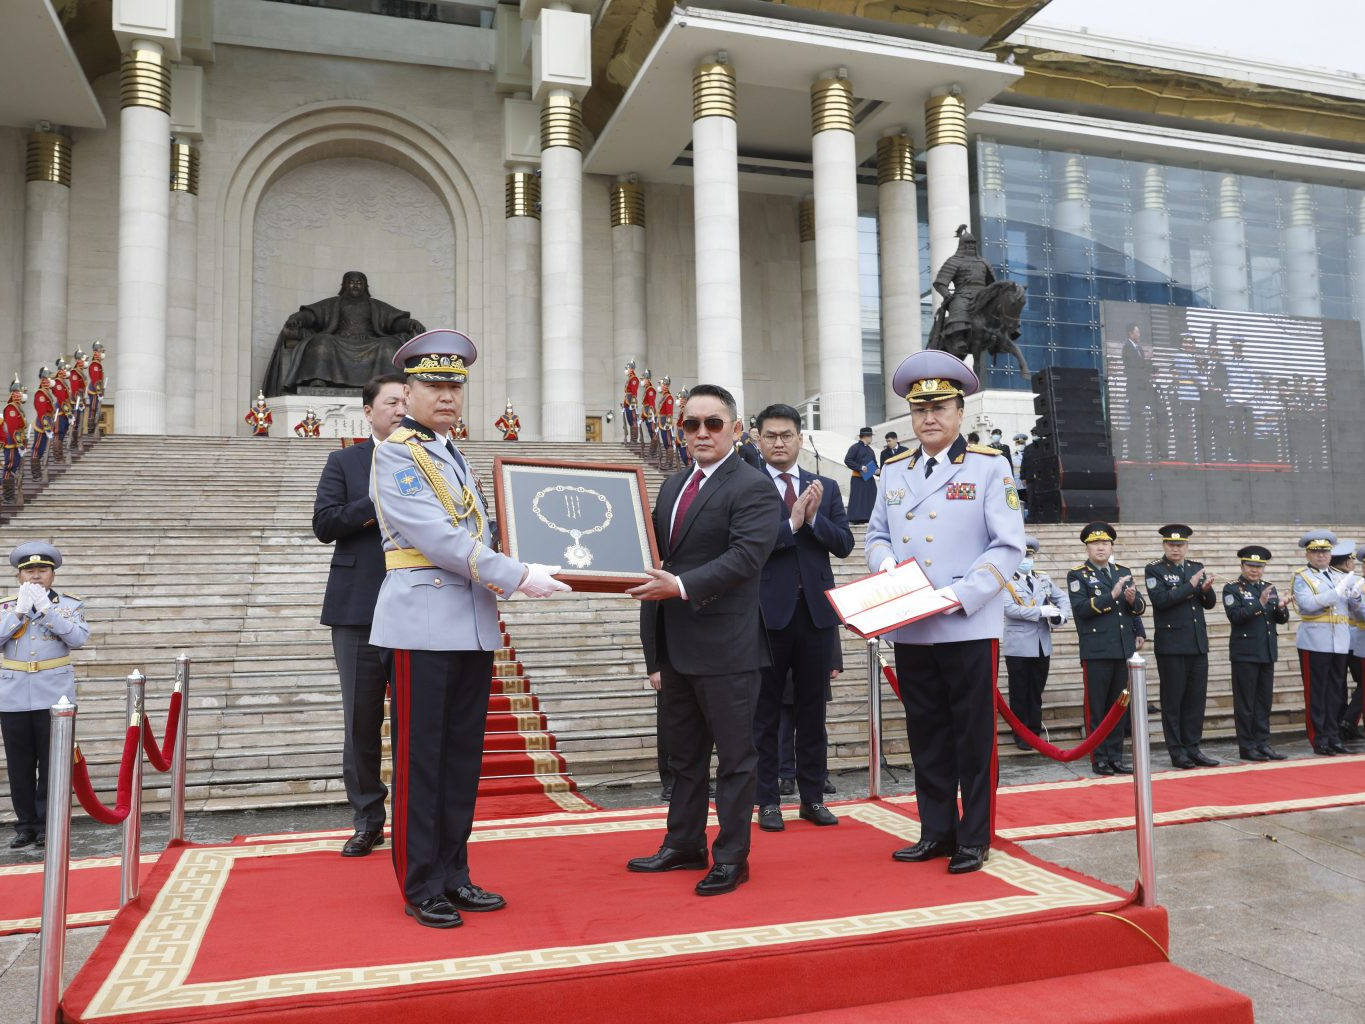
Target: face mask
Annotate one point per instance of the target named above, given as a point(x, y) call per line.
point(1026, 566)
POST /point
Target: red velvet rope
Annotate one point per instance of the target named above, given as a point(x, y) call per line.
point(1092, 741)
point(160, 757)
point(890, 674)
point(85, 792)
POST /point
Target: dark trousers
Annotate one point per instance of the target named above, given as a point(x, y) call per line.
point(1324, 680)
point(701, 712)
point(1184, 691)
point(661, 743)
point(1027, 678)
point(1253, 685)
point(1356, 665)
point(786, 744)
point(26, 736)
point(1105, 681)
point(804, 650)
point(948, 692)
point(439, 713)
point(363, 682)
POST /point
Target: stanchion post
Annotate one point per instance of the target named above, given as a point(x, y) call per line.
point(874, 721)
point(182, 687)
point(52, 937)
point(1142, 780)
point(129, 880)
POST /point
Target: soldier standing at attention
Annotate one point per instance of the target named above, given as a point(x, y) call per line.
point(437, 619)
point(1253, 607)
point(1108, 611)
point(1321, 591)
point(954, 509)
point(1034, 607)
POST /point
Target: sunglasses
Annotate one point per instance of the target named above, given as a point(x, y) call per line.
point(714, 425)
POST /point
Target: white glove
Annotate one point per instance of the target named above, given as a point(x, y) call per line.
point(540, 581)
point(39, 599)
point(25, 602)
point(1347, 583)
point(948, 594)
point(1052, 613)
point(888, 565)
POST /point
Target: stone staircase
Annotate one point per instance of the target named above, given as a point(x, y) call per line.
point(205, 545)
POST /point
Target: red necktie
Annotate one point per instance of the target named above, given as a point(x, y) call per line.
point(689, 492)
point(790, 495)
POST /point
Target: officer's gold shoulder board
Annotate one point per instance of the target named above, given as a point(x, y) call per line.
point(401, 434)
point(897, 458)
point(981, 449)
point(1077, 568)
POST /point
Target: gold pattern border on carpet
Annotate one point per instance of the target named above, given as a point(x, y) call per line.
point(150, 974)
point(18, 924)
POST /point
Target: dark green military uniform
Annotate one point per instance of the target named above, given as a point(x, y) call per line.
point(1252, 648)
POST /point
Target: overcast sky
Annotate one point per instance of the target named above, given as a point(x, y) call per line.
point(1310, 33)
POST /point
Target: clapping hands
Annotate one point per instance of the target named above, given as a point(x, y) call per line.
point(807, 504)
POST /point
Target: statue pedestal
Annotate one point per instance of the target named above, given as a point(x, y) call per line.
point(341, 416)
point(1011, 411)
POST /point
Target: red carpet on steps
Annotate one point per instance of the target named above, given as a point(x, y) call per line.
point(92, 893)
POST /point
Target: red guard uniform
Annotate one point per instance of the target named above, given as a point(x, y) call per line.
point(13, 432)
point(309, 426)
point(95, 385)
point(44, 416)
point(259, 418)
point(509, 423)
point(61, 393)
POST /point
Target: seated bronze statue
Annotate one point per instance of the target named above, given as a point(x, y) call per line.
point(339, 342)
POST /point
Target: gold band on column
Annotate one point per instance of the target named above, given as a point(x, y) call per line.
point(561, 122)
point(713, 91)
point(1075, 183)
point(805, 219)
point(184, 168)
point(895, 159)
point(48, 158)
point(1229, 196)
point(831, 105)
point(945, 122)
point(627, 204)
point(146, 80)
point(522, 193)
point(1153, 189)
point(1301, 207)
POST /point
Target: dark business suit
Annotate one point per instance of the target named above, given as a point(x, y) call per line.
point(802, 632)
point(1142, 407)
point(343, 513)
point(709, 648)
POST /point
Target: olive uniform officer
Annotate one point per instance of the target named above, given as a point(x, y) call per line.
point(1324, 637)
point(954, 509)
point(1254, 609)
point(437, 619)
point(39, 629)
point(1108, 611)
point(1179, 591)
point(1034, 607)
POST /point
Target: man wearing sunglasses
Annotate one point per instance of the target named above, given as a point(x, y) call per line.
point(704, 639)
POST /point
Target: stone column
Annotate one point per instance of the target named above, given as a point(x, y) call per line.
point(1356, 247)
point(522, 265)
point(945, 168)
point(181, 311)
point(1152, 236)
point(630, 338)
point(810, 303)
point(1071, 229)
point(991, 195)
point(715, 198)
point(897, 255)
point(1303, 290)
point(143, 240)
point(1228, 248)
point(561, 267)
point(47, 215)
point(839, 312)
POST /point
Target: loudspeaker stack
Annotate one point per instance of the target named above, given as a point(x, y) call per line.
point(1071, 477)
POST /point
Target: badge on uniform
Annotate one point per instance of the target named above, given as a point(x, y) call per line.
point(409, 481)
point(1075, 586)
point(1011, 495)
point(1229, 600)
point(962, 492)
point(895, 495)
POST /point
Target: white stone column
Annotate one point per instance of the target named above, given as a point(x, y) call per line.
point(182, 343)
point(810, 301)
point(946, 175)
point(1152, 231)
point(629, 313)
point(1303, 289)
point(897, 256)
point(1228, 248)
point(47, 216)
point(143, 241)
point(1072, 232)
point(715, 198)
point(1356, 247)
point(522, 280)
point(561, 267)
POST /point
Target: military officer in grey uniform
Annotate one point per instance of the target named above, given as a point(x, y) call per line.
point(1034, 607)
point(437, 619)
point(1108, 610)
point(1254, 608)
point(1179, 590)
point(1321, 593)
point(1355, 605)
point(954, 508)
point(39, 629)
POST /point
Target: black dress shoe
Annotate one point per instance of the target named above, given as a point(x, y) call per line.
point(666, 794)
point(1183, 763)
point(435, 912)
point(1203, 760)
point(1323, 750)
point(770, 818)
point(1252, 755)
point(925, 849)
point(1121, 767)
point(669, 859)
point(786, 786)
point(1338, 748)
point(1101, 767)
point(474, 899)
point(1022, 745)
point(360, 844)
point(968, 858)
point(23, 839)
point(1271, 754)
point(818, 814)
point(828, 786)
point(41, 841)
point(1349, 731)
point(723, 878)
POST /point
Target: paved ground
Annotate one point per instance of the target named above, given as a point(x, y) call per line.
point(1270, 906)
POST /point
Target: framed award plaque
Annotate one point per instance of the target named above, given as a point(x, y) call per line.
point(591, 519)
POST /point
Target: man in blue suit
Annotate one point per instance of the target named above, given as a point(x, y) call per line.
point(344, 514)
point(800, 620)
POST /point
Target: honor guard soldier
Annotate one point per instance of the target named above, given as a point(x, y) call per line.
point(61, 392)
point(953, 508)
point(309, 426)
point(437, 619)
point(630, 406)
point(39, 629)
point(259, 417)
point(13, 437)
point(684, 457)
point(1253, 607)
point(648, 408)
point(44, 420)
point(1108, 610)
point(1034, 607)
point(509, 423)
point(1321, 593)
point(95, 388)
